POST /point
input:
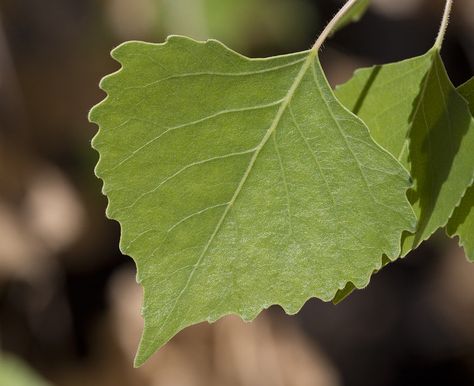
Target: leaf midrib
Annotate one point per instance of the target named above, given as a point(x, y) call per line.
point(419, 238)
point(283, 106)
point(406, 143)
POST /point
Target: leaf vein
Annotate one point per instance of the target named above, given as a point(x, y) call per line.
point(183, 169)
point(184, 219)
point(313, 155)
point(221, 74)
point(188, 124)
point(285, 183)
point(267, 135)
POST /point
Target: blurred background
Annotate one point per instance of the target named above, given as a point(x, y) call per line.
point(69, 304)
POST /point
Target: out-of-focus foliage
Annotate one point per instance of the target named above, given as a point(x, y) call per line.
point(279, 22)
point(13, 372)
point(244, 25)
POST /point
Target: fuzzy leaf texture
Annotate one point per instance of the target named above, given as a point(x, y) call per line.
point(240, 183)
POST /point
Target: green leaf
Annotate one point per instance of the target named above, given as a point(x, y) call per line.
point(413, 111)
point(462, 222)
point(353, 15)
point(384, 96)
point(411, 107)
point(240, 183)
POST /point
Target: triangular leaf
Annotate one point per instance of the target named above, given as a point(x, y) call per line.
point(414, 100)
point(240, 183)
point(413, 110)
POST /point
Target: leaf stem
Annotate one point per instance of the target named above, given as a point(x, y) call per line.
point(335, 20)
point(444, 24)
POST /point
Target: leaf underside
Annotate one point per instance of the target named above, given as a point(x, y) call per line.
point(240, 183)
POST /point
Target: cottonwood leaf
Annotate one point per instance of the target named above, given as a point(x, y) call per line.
point(413, 110)
point(461, 223)
point(240, 183)
point(373, 94)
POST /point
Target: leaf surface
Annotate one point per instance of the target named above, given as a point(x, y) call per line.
point(240, 183)
point(461, 223)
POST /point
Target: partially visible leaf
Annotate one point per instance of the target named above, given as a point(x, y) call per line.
point(240, 183)
point(344, 293)
point(413, 111)
point(350, 287)
point(461, 223)
point(353, 15)
point(384, 97)
point(411, 107)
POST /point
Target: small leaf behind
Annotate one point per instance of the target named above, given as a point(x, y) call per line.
point(413, 110)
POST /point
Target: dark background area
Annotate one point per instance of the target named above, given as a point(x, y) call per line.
point(69, 306)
